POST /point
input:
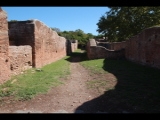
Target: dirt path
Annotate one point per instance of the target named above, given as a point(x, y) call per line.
point(62, 99)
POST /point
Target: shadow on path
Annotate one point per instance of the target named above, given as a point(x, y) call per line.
point(77, 56)
point(137, 90)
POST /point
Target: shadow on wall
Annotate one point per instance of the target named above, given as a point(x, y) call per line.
point(137, 90)
point(77, 57)
point(71, 46)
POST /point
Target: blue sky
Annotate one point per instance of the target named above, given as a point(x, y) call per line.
point(64, 18)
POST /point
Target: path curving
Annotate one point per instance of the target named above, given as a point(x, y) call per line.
point(62, 99)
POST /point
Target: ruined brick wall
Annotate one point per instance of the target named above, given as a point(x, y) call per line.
point(118, 45)
point(4, 44)
point(107, 45)
point(144, 48)
point(20, 58)
point(94, 51)
point(49, 47)
point(21, 33)
point(72, 45)
point(46, 45)
point(113, 46)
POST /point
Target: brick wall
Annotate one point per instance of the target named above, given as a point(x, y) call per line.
point(72, 45)
point(21, 33)
point(4, 44)
point(20, 58)
point(47, 45)
point(144, 48)
point(113, 46)
point(95, 52)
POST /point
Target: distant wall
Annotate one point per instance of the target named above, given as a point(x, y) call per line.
point(20, 58)
point(72, 45)
point(144, 48)
point(94, 51)
point(4, 44)
point(113, 46)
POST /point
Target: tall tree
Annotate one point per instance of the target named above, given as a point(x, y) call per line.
point(120, 23)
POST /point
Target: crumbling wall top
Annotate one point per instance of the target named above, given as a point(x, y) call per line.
point(92, 42)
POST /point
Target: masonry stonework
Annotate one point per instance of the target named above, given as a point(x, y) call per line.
point(72, 45)
point(32, 44)
point(47, 45)
point(144, 48)
point(4, 44)
point(20, 58)
point(95, 52)
point(113, 46)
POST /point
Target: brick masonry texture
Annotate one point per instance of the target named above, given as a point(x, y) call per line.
point(20, 58)
point(4, 44)
point(47, 45)
point(143, 48)
point(27, 44)
point(94, 51)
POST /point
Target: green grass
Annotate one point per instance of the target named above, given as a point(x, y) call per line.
point(32, 82)
point(94, 65)
point(137, 88)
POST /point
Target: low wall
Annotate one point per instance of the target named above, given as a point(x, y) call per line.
point(96, 52)
point(113, 46)
point(47, 45)
point(20, 58)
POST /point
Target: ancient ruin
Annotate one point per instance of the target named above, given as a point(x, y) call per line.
point(72, 45)
point(143, 48)
point(4, 48)
point(27, 44)
point(47, 45)
point(31, 43)
point(104, 50)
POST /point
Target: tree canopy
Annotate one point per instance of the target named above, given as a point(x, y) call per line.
point(120, 23)
point(75, 35)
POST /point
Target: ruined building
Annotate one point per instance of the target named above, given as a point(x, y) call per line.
point(27, 44)
point(143, 48)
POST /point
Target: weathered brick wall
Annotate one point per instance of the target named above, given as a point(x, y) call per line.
point(144, 48)
point(113, 46)
point(94, 51)
point(117, 45)
point(104, 44)
point(49, 47)
point(72, 45)
point(21, 33)
point(20, 58)
point(4, 44)
point(46, 45)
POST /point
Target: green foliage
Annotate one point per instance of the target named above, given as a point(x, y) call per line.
point(57, 30)
point(77, 35)
point(120, 23)
point(31, 83)
point(99, 36)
